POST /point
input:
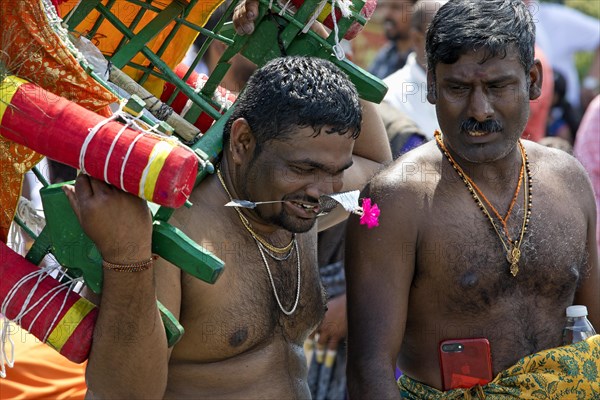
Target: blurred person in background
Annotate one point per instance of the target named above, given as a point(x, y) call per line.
point(396, 26)
point(587, 151)
point(562, 120)
point(561, 32)
point(408, 86)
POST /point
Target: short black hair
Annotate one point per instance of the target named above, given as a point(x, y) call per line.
point(297, 92)
point(462, 26)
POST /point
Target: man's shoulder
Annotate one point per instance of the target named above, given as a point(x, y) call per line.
point(413, 172)
point(550, 158)
point(554, 166)
point(207, 208)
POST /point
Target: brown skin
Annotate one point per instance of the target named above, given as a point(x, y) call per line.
point(237, 342)
point(241, 68)
point(443, 273)
point(246, 12)
point(244, 15)
point(92, 201)
point(334, 326)
point(235, 329)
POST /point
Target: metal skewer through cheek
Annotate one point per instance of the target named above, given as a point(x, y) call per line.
point(326, 202)
point(325, 206)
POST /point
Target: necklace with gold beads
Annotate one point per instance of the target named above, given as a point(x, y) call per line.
point(511, 247)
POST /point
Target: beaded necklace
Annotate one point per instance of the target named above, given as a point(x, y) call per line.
point(511, 247)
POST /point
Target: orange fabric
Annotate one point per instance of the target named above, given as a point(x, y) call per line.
point(40, 372)
point(15, 160)
point(107, 38)
point(540, 107)
point(33, 51)
point(36, 53)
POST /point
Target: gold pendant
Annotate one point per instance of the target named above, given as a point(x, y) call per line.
point(514, 269)
point(513, 258)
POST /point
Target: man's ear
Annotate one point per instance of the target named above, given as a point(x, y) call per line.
point(241, 141)
point(535, 80)
point(431, 90)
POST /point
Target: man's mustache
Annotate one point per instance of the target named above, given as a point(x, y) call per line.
point(488, 126)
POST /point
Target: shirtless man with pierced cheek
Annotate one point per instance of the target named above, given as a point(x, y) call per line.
point(485, 236)
point(298, 131)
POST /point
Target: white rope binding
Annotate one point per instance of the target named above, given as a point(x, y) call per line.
point(344, 6)
point(65, 288)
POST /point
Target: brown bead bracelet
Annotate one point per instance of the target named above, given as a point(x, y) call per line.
point(135, 267)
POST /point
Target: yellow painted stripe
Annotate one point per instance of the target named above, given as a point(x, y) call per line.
point(159, 154)
point(8, 88)
point(69, 322)
point(325, 12)
point(132, 111)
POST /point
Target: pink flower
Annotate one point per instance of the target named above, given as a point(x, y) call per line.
point(370, 216)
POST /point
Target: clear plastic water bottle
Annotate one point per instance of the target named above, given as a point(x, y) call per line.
point(578, 327)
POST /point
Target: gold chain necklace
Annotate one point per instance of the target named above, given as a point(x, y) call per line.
point(281, 250)
point(259, 244)
point(262, 254)
point(503, 220)
point(275, 256)
point(512, 248)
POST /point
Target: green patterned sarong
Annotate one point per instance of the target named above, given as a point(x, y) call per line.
point(568, 372)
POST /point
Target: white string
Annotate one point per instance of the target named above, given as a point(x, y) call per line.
point(223, 100)
point(138, 137)
point(13, 291)
point(5, 337)
point(69, 289)
point(63, 287)
point(344, 6)
point(30, 216)
point(285, 7)
point(134, 123)
point(110, 151)
point(40, 274)
point(315, 15)
point(4, 359)
point(16, 241)
point(56, 290)
point(337, 48)
point(55, 22)
point(198, 85)
point(92, 132)
point(153, 132)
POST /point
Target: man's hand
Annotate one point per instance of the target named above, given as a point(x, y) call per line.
point(118, 223)
point(246, 12)
point(244, 15)
point(334, 326)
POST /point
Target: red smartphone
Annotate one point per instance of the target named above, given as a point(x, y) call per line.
point(465, 362)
